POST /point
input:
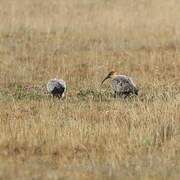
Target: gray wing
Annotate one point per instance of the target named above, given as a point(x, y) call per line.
point(124, 85)
point(56, 86)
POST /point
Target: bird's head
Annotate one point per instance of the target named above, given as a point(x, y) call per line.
point(111, 74)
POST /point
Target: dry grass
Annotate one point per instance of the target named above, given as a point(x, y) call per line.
point(89, 135)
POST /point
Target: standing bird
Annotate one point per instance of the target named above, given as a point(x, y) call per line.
point(56, 87)
point(122, 85)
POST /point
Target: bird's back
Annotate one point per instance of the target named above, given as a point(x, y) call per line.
point(124, 85)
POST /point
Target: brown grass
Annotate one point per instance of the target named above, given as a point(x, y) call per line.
point(89, 134)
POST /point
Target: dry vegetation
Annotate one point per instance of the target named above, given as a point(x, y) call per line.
point(89, 135)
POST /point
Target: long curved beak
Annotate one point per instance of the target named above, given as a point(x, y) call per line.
point(107, 77)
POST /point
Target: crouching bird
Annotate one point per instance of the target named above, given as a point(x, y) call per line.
point(122, 85)
point(56, 87)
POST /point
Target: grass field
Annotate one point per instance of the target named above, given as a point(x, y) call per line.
point(89, 134)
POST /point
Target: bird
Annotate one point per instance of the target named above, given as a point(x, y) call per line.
point(122, 85)
point(56, 87)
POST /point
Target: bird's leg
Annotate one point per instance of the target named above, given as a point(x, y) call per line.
point(125, 95)
point(115, 94)
point(59, 96)
point(55, 96)
point(63, 95)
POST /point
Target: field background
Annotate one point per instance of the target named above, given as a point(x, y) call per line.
point(89, 134)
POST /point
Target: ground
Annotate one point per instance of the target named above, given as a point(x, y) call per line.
point(89, 134)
